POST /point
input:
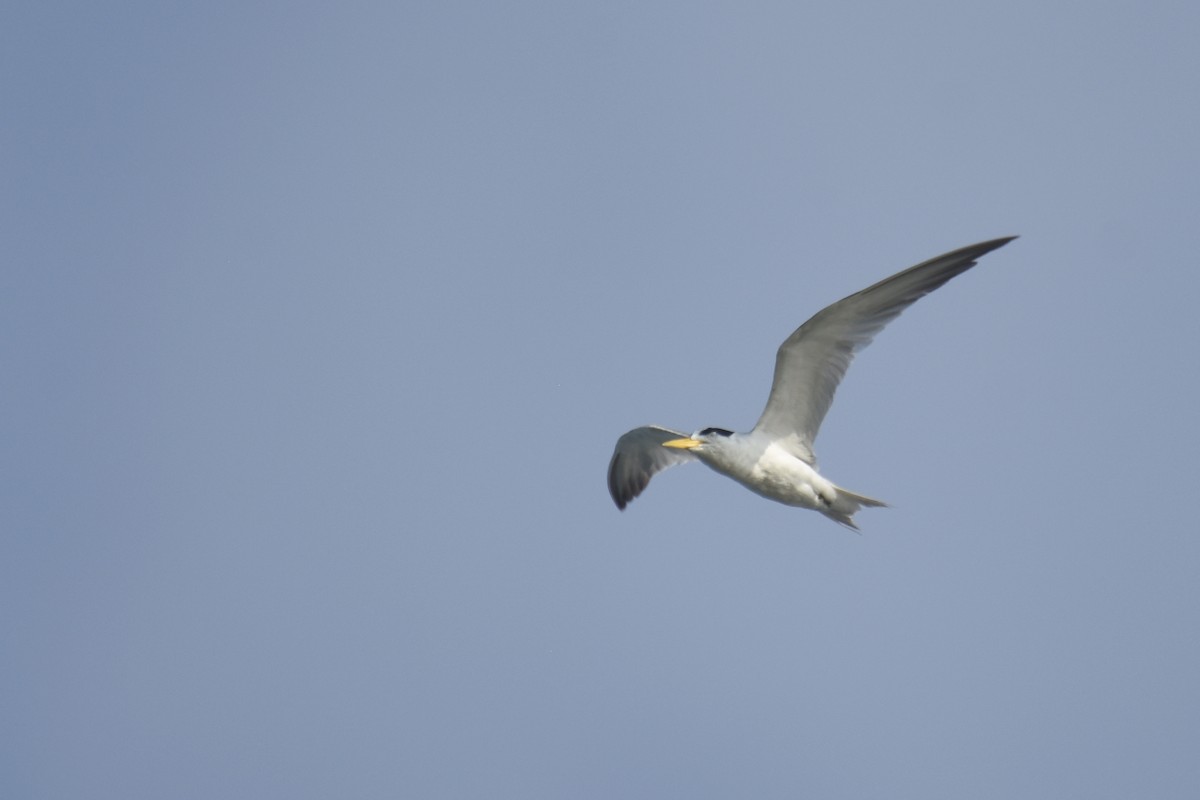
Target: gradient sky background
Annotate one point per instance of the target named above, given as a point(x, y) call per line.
point(319, 321)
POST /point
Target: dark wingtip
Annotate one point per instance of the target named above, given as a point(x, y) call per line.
point(988, 246)
point(618, 494)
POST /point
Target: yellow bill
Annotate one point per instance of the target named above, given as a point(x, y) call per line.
point(686, 443)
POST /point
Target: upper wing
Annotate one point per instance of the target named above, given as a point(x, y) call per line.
point(811, 362)
point(638, 455)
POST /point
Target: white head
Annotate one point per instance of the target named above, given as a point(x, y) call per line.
point(700, 439)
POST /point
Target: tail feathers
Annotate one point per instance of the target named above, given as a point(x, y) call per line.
point(846, 504)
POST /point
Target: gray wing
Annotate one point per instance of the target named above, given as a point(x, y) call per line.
point(812, 361)
point(638, 456)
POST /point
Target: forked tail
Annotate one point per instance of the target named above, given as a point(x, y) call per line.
point(846, 504)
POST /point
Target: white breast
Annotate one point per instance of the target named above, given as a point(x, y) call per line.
point(775, 473)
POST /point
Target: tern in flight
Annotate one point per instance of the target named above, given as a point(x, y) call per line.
point(776, 458)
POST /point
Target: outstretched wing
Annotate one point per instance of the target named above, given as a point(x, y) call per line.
point(812, 361)
point(638, 456)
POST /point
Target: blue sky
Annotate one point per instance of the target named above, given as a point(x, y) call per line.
point(319, 324)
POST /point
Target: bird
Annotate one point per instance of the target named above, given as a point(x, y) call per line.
point(776, 458)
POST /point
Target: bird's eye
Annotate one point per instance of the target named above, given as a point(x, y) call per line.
point(716, 432)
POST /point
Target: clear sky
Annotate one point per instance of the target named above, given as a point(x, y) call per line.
point(319, 321)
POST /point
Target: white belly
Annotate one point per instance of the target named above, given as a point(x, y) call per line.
point(780, 476)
